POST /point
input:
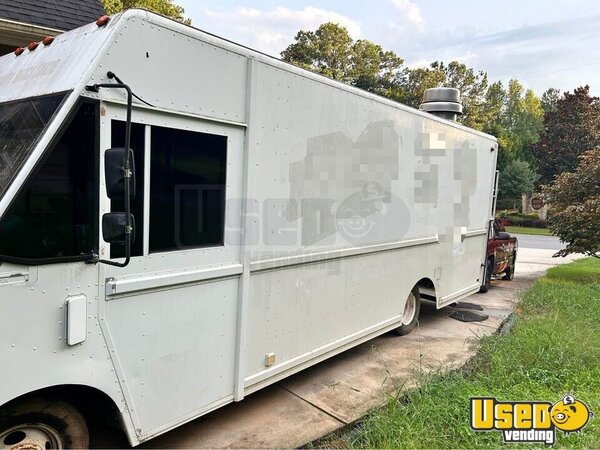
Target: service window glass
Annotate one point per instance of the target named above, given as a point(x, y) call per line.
point(187, 189)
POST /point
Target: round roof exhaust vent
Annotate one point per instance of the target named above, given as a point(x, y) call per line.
point(443, 102)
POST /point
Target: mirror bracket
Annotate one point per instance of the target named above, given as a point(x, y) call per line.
point(128, 173)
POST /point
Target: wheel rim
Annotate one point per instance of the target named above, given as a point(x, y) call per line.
point(35, 436)
point(410, 309)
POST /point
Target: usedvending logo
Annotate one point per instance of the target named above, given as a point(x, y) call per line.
point(529, 421)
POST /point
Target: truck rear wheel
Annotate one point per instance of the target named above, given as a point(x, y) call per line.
point(410, 316)
point(42, 424)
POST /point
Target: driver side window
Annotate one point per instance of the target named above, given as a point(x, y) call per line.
point(54, 214)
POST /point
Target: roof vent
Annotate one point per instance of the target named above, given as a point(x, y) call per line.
point(443, 102)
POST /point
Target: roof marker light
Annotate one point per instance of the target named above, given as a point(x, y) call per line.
point(48, 40)
point(19, 50)
point(102, 20)
point(32, 46)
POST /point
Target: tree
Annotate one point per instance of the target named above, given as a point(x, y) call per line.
point(574, 199)
point(164, 7)
point(515, 117)
point(374, 69)
point(569, 130)
point(493, 108)
point(412, 84)
point(549, 99)
point(331, 51)
point(327, 51)
point(516, 178)
point(472, 86)
point(522, 122)
point(530, 123)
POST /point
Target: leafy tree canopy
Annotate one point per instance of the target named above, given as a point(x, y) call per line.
point(472, 86)
point(411, 84)
point(331, 51)
point(516, 178)
point(521, 122)
point(549, 99)
point(164, 7)
point(574, 198)
point(571, 128)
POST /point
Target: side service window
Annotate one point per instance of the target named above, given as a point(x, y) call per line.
point(54, 215)
point(187, 189)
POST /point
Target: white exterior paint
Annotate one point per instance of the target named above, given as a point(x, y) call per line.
point(177, 334)
point(76, 319)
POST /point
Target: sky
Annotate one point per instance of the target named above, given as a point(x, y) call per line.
point(541, 43)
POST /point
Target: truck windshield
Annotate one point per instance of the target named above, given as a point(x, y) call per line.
point(21, 125)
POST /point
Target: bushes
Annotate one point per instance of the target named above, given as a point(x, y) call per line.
point(515, 218)
point(519, 222)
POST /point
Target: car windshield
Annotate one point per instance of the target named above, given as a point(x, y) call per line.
point(21, 125)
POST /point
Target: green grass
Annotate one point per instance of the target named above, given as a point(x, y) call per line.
point(584, 270)
point(529, 230)
point(553, 349)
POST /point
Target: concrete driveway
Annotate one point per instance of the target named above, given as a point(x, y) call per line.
point(339, 391)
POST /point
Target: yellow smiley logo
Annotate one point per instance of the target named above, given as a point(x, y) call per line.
point(570, 415)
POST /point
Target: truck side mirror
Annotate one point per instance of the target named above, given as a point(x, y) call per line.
point(114, 171)
point(118, 172)
point(114, 228)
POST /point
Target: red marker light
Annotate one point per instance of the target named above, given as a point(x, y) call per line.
point(48, 40)
point(102, 20)
point(19, 50)
point(33, 46)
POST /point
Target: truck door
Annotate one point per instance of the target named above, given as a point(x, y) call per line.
point(170, 315)
point(48, 291)
point(503, 247)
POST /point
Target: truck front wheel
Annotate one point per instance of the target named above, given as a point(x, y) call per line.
point(410, 316)
point(42, 424)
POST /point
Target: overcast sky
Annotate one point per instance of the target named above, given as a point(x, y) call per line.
point(543, 44)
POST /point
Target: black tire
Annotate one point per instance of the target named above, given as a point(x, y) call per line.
point(38, 419)
point(412, 308)
point(509, 273)
point(487, 277)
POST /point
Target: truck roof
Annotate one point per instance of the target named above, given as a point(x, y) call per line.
point(82, 56)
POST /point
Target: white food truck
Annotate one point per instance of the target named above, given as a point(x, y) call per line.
point(263, 219)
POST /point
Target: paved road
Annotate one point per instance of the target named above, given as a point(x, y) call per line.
point(539, 242)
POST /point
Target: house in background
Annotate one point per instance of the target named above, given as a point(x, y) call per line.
point(24, 21)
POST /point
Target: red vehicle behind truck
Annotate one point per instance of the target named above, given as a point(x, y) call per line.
point(501, 255)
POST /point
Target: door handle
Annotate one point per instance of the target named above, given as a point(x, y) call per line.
point(13, 278)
